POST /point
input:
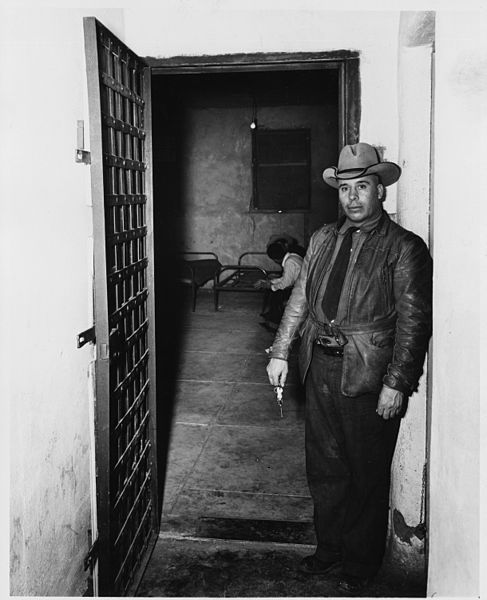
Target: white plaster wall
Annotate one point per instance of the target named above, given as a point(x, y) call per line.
point(459, 251)
point(415, 87)
point(196, 27)
point(413, 210)
point(46, 260)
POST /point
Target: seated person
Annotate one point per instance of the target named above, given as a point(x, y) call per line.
point(286, 252)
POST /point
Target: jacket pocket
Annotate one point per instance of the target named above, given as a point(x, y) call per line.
point(365, 361)
point(382, 339)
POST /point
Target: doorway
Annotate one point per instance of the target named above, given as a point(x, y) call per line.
point(204, 114)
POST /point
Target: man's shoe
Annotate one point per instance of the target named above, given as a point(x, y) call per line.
point(352, 583)
point(310, 565)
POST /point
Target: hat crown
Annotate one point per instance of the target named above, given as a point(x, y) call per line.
point(358, 156)
point(360, 160)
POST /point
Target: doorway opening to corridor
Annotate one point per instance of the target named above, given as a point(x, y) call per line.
point(231, 467)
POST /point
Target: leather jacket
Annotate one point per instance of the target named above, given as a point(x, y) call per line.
point(384, 311)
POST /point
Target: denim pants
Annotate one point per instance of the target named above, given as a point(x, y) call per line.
point(349, 450)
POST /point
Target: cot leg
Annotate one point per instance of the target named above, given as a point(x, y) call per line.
point(215, 298)
point(194, 292)
point(265, 301)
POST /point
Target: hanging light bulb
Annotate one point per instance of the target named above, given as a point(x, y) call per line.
point(253, 124)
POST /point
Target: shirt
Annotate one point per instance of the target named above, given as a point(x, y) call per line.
point(291, 266)
point(358, 238)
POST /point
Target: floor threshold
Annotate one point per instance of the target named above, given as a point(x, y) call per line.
point(245, 543)
point(240, 529)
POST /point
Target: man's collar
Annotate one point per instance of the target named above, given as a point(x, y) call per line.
point(379, 223)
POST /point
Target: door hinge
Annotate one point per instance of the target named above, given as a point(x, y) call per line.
point(81, 155)
point(92, 556)
point(85, 337)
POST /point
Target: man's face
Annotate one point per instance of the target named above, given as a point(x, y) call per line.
point(361, 198)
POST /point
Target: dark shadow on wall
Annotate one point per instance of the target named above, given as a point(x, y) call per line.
point(168, 228)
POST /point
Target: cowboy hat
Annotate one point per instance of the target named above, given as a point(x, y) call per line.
point(358, 160)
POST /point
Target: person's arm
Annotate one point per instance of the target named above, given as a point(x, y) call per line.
point(291, 270)
point(412, 293)
point(294, 314)
point(295, 311)
point(262, 284)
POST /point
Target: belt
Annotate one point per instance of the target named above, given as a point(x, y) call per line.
point(330, 350)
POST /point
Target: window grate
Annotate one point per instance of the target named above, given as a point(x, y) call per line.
point(281, 169)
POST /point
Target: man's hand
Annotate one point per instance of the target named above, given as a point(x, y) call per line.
point(390, 402)
point(262, 284)
point(277, 371)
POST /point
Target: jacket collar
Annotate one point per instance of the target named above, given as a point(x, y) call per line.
point(381, 228)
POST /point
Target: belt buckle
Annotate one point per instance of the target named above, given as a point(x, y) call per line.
point(328, 347)
point(325, 340)
point(335, 339)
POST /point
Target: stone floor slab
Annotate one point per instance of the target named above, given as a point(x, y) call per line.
point(212, 366)
point(186, 444)
point(200, 401)
point(193, 502)
point(255, 404)
point(229, 340)
point(252, 459)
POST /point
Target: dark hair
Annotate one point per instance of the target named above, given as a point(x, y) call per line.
point(297, 249)
point(278, 249)
point(384, 193)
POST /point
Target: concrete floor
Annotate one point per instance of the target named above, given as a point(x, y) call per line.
point(237, 515)
point(231, 453)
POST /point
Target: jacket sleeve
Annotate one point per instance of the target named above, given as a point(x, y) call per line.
point(295, 312)
point(413, 296)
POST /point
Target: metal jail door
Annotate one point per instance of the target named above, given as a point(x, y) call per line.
point(126, 487)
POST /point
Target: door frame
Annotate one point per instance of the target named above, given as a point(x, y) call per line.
point(346, 62)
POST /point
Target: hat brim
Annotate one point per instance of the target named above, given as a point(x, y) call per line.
point(388, 172)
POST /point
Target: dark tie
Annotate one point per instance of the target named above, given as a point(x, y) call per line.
point(337, 276)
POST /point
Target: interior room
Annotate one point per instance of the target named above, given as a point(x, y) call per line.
point(209, 196)
point(204, 176)
point(206, 129)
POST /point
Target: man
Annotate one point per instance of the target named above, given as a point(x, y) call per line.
point(362, 305)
